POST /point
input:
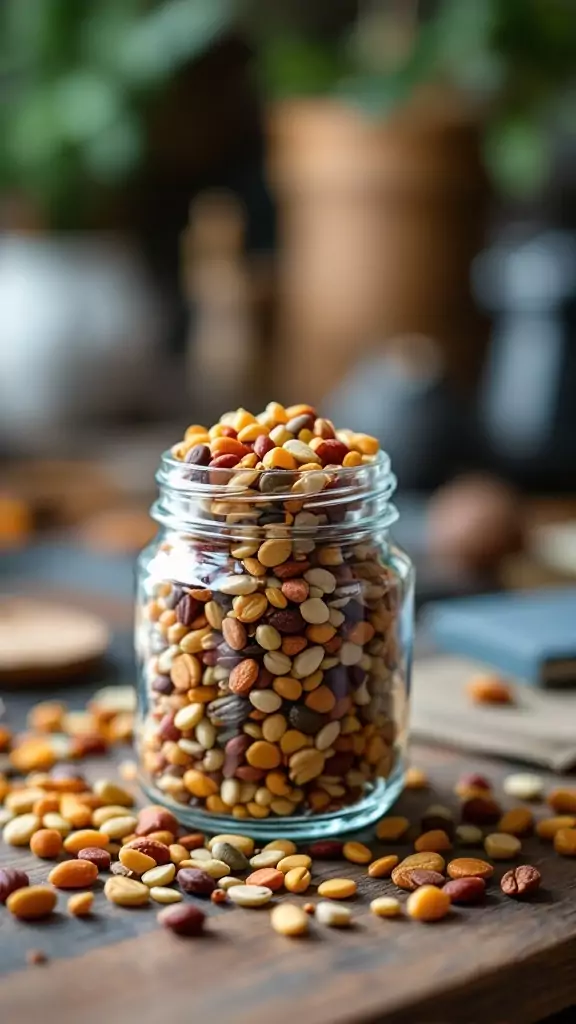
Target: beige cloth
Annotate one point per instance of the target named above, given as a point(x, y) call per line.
point(540, 727)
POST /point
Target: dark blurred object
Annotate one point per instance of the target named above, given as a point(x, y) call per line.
point(119, 530)
point(404, 396)
point(528, 282)
point(475, 521)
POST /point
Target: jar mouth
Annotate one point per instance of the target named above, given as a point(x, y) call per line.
point(192, 495)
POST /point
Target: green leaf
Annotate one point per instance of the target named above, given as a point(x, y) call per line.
point(517, 153)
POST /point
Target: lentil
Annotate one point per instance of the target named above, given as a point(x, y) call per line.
point(250, 895)
point(333, 915)
point(502, 846)
point(32, 902)
point(297, 879)
point(289, 919)
point(469, 867)
point(386, 906)
point(428, 903)
point(337, 888)
point(80, 904)
point(565, 842)
point(382, 867)
point(524, 786)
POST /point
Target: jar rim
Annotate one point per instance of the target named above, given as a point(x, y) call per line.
point(190, 496)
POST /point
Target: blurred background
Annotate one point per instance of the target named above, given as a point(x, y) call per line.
point(367, 205)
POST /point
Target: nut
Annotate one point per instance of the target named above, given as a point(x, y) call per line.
point(565, 842)
point(289, 919)
point(184, 919)
point(382, 867)
point(126, 892)
point(501, 846)
point(32, 902)
point(465, 890)
point(80, 905)
point(337, 888)
point(196, 881)
point(521, 881)
point(386, 906)
point(402, 873)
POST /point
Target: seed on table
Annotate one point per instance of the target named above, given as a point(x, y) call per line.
point(53, 820)
point(297, 879)
point(228, 882)
point(250, 895)
point(521, 881)
point(429, 861)
point(294, 860)
point(102, 814)
point(46, 843)
point(524, 786)
point(287, 847)
point(289, 919)
point(565, 842)
point(392, 829)
point(136, 860)
point(101, 858)
point(161, 875)
point(184, 919)
point(126, 892)
point(218, 896)
point(162, 894)
point(481, 811)
point(243, 843)
point(433, 841)
point(337, 888)
point(357, 853)
point(562, 801)
point(231, 856)
point(215, 868)
point(428, 904)
point(118, 869)
point(188, 717)
point(73, 874)
point(19, 831)
point(272, 878)
point(465, 890)
point(267, 701)
point(10, 880)
point(178, 853)
point(383, 866)
point(489, 688)
point(32, 902)
point(469, 835)
point(196, 881)
point(263, 755)
point(111, 793)
point(80, 904)
point(86, 837)
point(386, 906)
point(469, 867)
point(266, 859)
point(516, 822)
point(502, 846)
point(548, 827)
point(333, 915)
point(326, 849)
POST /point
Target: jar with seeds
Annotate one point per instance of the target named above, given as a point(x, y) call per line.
point(274, 629)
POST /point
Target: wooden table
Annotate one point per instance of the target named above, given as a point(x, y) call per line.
point(505, 961)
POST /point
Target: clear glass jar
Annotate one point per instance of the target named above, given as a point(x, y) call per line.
point(274, 634)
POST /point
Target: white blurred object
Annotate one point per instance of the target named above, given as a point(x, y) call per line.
point(78, 330)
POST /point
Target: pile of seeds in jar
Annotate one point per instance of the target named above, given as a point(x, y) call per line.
point(83, 832)
point(270, 673)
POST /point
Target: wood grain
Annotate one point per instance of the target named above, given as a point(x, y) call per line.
point(506, 961)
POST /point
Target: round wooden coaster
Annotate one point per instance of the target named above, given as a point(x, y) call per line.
point(41, 641)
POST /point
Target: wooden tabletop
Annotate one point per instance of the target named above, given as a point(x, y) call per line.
point(504, 961)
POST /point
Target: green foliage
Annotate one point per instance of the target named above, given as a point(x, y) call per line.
point(75, 77)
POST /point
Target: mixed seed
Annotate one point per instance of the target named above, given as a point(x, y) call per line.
point(150, 861)
point(268, 630)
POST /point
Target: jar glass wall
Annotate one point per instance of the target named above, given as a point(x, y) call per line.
point(273, 638)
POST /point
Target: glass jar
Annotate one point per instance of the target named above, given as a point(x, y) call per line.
point(273, 635)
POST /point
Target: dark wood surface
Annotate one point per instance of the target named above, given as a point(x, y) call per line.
point(505, 961)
